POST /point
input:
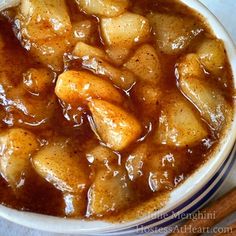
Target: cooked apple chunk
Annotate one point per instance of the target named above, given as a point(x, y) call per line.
point(179, 123)
point(135, 161)
point(16, 147)
point(78, 87)
point(8, 4)
point(145, 64)
point(162, 159)
point(118, 55)
point(116, 127)
point(101, 154)
point(190, 66)
point(60, 166)
point(148, 97)
point(212, 55)
point(173, 33)
point(208, 99)
point(109, 192)
point(43, 19)
point(45, 28)
point(107, 8)
point(125, 30)
point(121, 77)
point(83, 31)
point(50, 52)
point(86, 51)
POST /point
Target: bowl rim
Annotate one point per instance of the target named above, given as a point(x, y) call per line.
point(62, 225)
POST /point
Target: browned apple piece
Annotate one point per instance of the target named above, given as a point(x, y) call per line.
point(79, 87)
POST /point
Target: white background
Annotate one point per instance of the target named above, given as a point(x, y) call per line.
point(225, 12)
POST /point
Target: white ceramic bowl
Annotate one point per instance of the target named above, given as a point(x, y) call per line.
point(191, 195)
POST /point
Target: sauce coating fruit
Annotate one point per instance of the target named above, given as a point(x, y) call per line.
point(107, 106)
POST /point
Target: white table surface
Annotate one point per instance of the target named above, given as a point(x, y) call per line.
point(225, 11)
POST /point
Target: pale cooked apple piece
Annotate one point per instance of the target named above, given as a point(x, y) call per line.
point(162, 168)
point(115, 126)
point(8, 4)
point(148, 97)
point(78, 87)
point(208, 99)
point(212, 55)
point(86, 51)
point(145, 64)
point(118, 55)
point(147, 94)
point(45, 27)
point(82, 31)
point(190, 65)
point(109, 192)
point(61, 166)
point(179, 122)
point(50, 52)
point(127, 30)
point(101, 154)
point(37, 81)
point(160, 180)
point(41, 19)
point(16, 147)
point(135, 161)
point(106, 8)
point(122, 78)
point(173, 33)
